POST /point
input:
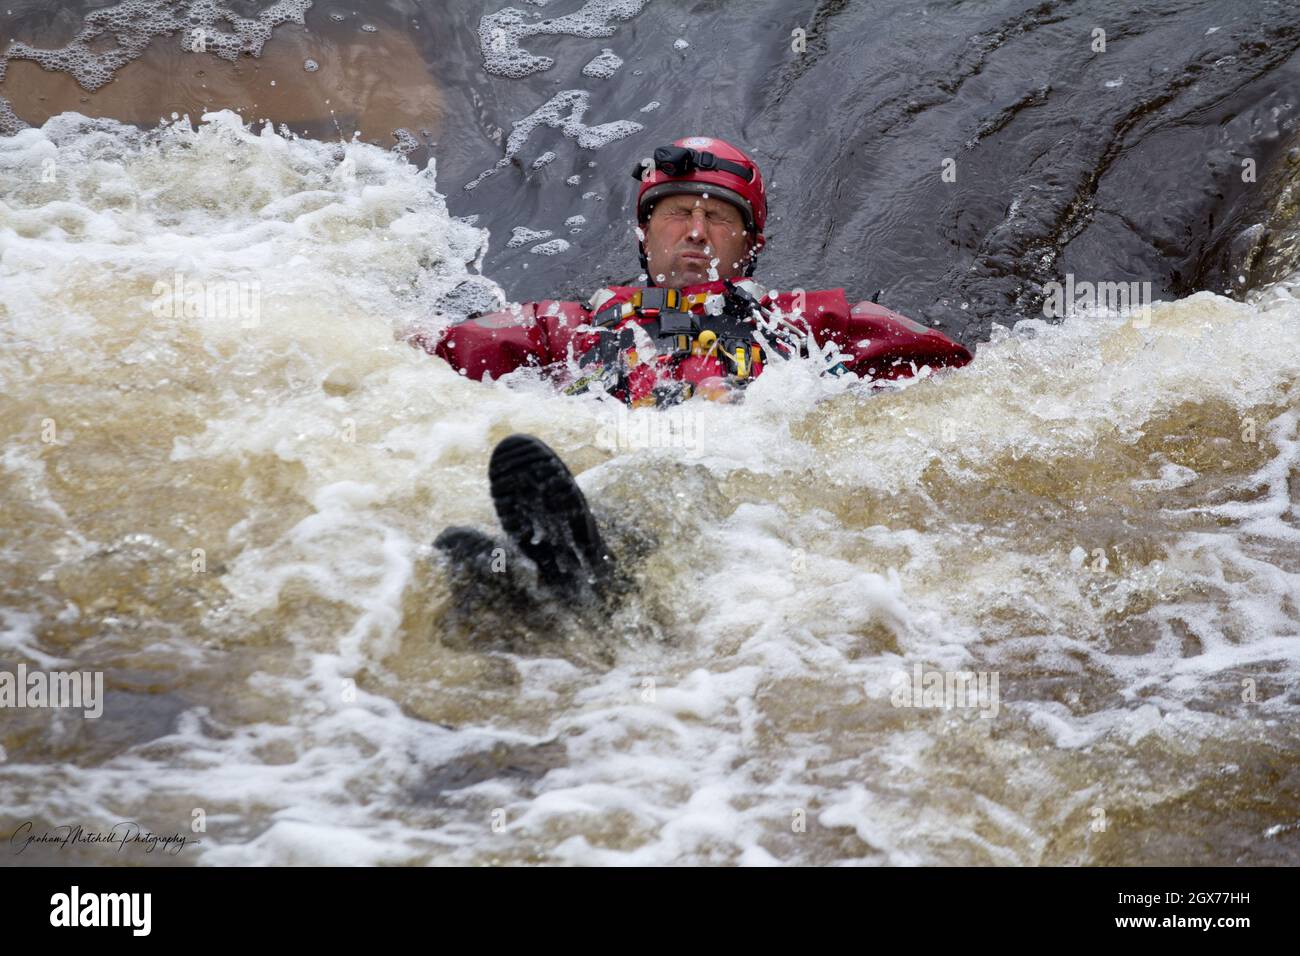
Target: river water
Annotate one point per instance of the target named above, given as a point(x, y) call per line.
point(223, 465)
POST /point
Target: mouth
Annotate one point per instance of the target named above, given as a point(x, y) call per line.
point(695, 256)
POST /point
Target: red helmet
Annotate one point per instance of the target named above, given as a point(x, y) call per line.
point(702, 164)
point(708, 166)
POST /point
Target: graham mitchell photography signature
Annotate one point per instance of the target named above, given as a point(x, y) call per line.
point(121, 836)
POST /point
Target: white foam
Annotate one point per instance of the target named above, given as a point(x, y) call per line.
point(604, 65)
point(500, 33)
point(522, 235)
point(216, 28)
point(552, 248)
point(563, 111)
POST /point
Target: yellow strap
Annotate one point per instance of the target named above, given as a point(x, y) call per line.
point(673, 299)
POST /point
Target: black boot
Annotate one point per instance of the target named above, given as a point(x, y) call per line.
point(467, 546)
point(543, 511)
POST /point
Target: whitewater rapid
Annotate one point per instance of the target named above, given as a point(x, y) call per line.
point(230, 514)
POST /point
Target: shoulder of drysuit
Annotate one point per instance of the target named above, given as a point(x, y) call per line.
point(564, 312)
point(796, 300)
point(819, 306)
point(833, 307)
point(524, 313)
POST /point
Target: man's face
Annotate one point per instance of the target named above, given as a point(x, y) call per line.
point(690, 239)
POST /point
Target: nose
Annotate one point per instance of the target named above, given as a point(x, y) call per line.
point(697, 223)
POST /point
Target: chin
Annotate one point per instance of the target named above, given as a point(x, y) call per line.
point(691, 276)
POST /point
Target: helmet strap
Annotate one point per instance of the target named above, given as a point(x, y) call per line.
point(754, 250)
point(645, 264)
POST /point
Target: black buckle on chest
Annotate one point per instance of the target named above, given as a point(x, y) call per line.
point(653, 300)
point(678, 323)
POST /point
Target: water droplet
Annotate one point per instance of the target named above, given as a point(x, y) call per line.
point(311, 66)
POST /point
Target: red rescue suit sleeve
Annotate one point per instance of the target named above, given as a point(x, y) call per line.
point(495, 344)
point(880, 343)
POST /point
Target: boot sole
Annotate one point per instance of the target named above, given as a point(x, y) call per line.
point(542, 509)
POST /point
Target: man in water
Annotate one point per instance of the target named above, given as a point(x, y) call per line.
point(700, 327)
